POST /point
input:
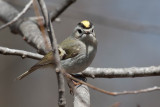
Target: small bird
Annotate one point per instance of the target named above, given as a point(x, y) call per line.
point(76, 52)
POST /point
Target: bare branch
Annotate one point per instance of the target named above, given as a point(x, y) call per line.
point(40, 23)
point(23, 54)
point(46, 19)
point(53, 41)
point(121, 72)
point(89, 85)
point(61, 90)
point(18, 15)
point(61, 9)
point(155, 88)
point(44, 12)
point(59, 70)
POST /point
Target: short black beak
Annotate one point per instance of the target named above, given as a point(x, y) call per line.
point(87, 32)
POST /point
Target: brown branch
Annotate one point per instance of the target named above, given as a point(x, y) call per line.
point(57, 12)
point(35, 19)
point(59, 70)
point(155, 88)
point(18, 15)
point(40, 23)
point(46, 19)
point(87, 84)
point(56, 60)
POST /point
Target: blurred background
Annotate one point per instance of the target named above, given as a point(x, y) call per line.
point(128, 33)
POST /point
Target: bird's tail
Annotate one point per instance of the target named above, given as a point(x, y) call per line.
point(23, 75)
point(33, 68)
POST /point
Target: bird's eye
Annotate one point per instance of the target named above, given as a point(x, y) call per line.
point(79, 31)
point(92, 30)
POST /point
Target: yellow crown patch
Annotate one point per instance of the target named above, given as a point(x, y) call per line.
point(86, 23)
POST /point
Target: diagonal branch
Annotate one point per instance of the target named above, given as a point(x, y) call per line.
point(18, 15)
point(42, 28)
point(57, 12)
point(155, 88)
point(56, 60)
point(59, 70)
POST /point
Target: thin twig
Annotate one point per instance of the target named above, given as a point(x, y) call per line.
point(18, 16)
point(155, 88)
point(59, 70)
point(89, 85)
point(46, 18)
point(51, 34)
point(23, 54)
point(57, 12)
point(44, 11)
point(40, 23)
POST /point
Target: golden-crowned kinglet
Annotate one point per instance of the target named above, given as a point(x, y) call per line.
point(76, 52)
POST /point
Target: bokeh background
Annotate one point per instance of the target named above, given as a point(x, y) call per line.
point(128, 33)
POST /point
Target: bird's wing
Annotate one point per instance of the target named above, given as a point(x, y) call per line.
point(70, 47)
point(67, 49)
